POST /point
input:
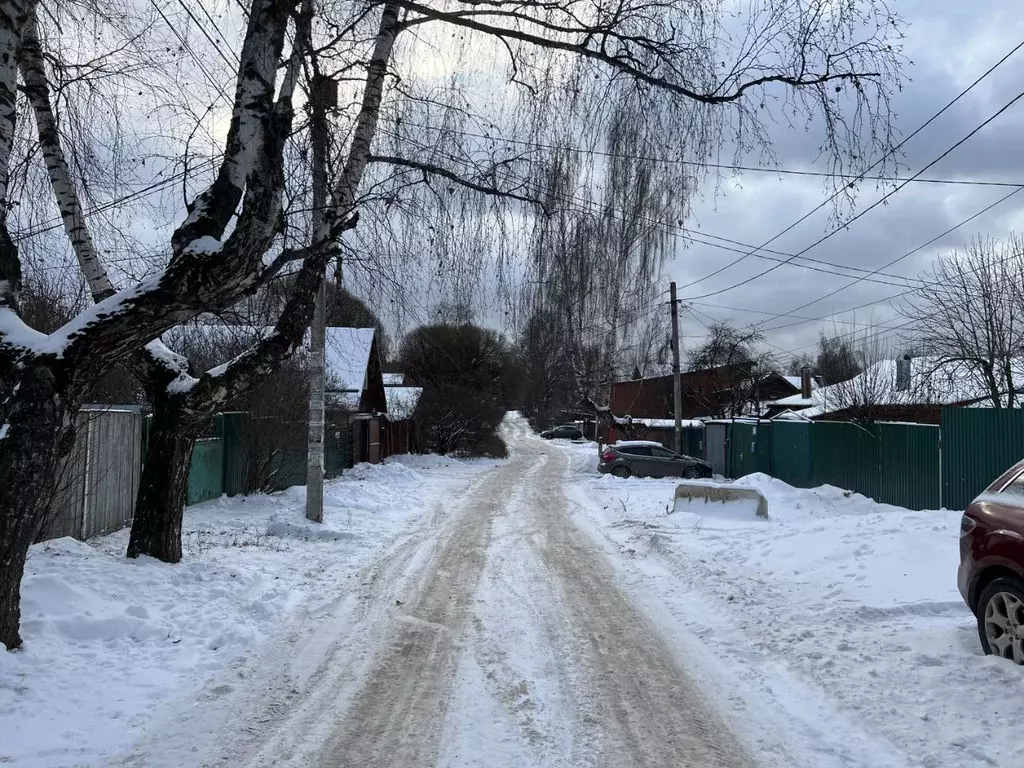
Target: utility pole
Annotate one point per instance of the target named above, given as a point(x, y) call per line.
point(318, 330)
point(677, 382)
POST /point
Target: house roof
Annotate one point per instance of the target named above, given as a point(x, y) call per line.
point(798, 384)
point(346, 358)
point(932, 382)
point(402, 401)
point(394, 379)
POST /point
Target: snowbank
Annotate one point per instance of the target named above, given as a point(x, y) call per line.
point(838, 619)
point(108, 639)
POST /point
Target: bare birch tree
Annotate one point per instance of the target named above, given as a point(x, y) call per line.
point(969, 318)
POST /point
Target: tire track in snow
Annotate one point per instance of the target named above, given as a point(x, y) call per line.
point(396, 719)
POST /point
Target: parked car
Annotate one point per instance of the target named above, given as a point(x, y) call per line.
point(991, 574)
point(566, 431)
point(648, 459)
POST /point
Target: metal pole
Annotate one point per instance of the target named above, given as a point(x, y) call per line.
point(677, 383)
point(318, 330)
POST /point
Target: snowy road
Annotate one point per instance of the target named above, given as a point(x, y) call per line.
point(494, 635)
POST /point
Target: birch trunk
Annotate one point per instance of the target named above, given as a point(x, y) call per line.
point(12, 20)
point(37, 88)
point(42, 387)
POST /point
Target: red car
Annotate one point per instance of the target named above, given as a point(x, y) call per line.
point(991, 575)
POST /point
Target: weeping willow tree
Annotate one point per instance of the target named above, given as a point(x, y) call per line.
point(593, 294)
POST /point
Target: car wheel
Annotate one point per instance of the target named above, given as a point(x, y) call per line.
point(622, 472)
point(1001, 619)
point(693, 473)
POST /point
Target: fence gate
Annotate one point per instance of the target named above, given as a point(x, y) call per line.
point(791, 452)
point(715, 440)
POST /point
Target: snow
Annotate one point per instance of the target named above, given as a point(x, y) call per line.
point(204, 244)
point(109, 641)
point(931, 382)
point(402, 401)
point(667, 423)
point(15, 332)
point(833, 632)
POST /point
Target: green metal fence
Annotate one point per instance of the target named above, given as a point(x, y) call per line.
point(235, 427)
point(206, 472)
point(890, 463)
point(693, 441)
point(978, 445)
point(791, 453)
point(749, 448)
point(845, 455)
point(909, 465)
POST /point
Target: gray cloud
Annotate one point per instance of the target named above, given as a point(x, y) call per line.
point(950, 43)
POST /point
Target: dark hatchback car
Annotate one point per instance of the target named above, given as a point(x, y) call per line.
point(566, 431)
point(648, 459)
point(991, 575)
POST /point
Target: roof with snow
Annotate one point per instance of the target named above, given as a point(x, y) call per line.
point(402, 401)
point(932, 382)
point(798, 384)
point(667, 423)
point(346, 359)
point(394, 379)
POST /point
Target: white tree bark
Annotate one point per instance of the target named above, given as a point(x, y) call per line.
point(37, 88)
point(12, 20)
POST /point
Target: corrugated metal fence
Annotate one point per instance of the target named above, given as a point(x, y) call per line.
point(95, 488)
point(96, 485)
point(978, 444)
point(919, 466)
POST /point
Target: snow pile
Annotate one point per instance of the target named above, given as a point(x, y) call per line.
point(108, 639)
point(838, 617)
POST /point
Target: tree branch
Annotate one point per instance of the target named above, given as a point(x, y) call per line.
point(437, 170)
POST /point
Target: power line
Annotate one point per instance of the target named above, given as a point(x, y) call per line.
point(58, 223)
point(596, 208)
point(899, 258)
point(717, 166)
point(202, 28)
point(877, 203)
point(882, 159)
point(765, 312)
point(218, 87)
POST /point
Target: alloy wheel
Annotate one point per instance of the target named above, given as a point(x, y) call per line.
point(1004, 626)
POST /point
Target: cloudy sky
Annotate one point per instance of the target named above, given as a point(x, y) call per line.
point(950, 44)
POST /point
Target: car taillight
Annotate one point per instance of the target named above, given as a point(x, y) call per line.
point(608, 456)
point(967, 524)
